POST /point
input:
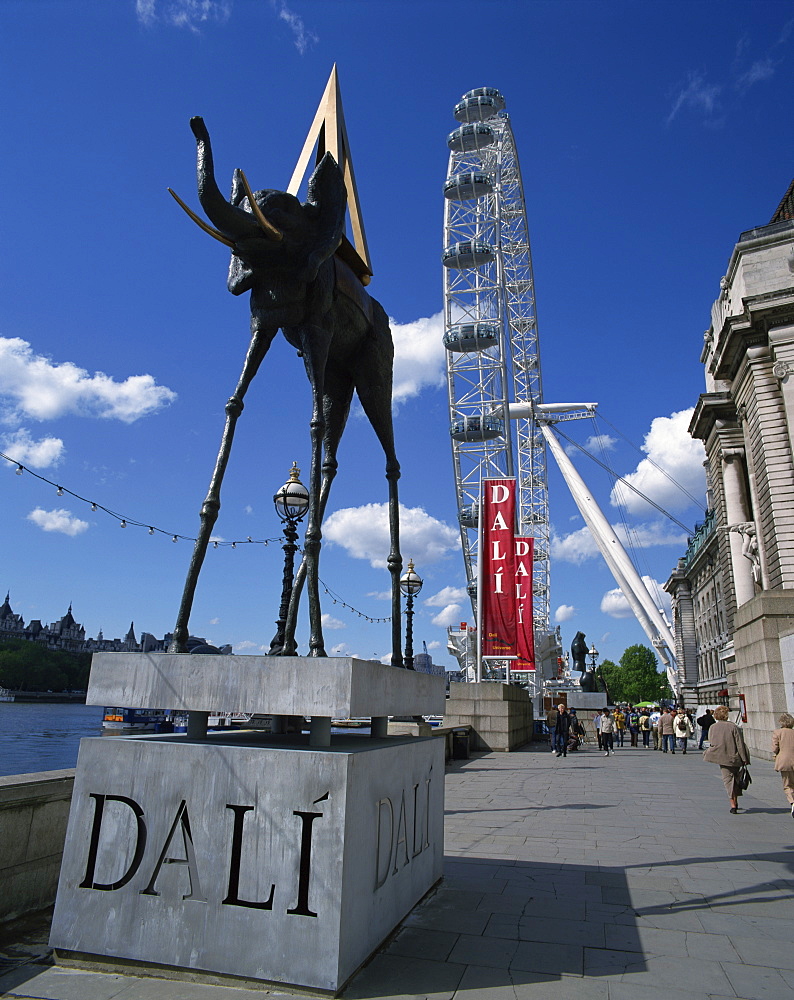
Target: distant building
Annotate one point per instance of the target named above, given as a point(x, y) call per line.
point(733, 590)
point(424, 663)
point(69, 635)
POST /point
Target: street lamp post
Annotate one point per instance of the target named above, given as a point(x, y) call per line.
point(291, 502)
point(593, 654)
point(410, 585)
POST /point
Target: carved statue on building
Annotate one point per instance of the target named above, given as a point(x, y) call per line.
point(750, 548)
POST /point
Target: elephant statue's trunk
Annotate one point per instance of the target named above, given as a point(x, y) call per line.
point(232, 222)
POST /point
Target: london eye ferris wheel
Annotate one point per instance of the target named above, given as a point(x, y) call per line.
point(491, 334)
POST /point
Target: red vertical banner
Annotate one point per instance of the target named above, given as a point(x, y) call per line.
point(498, 567)
point(525, 635)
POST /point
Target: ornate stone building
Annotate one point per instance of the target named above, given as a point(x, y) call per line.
point(67, 634)
point(733, 590)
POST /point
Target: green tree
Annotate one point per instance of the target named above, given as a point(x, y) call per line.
point(636, 678)
point(27, 666)
point(609, 673)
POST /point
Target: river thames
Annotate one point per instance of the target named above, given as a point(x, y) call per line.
point(44, 737)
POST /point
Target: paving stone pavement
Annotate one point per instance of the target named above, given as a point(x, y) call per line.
point(585, 877)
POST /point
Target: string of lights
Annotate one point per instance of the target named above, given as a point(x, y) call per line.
point(336, 599)
point(125, 521)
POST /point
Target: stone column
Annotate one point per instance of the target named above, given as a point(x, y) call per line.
point(737, 512)
point(781, 340)
point(680, 590)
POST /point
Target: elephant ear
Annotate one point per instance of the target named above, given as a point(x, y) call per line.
point(325, 204)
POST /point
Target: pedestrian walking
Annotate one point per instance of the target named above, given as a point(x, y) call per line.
point(551, 721)
point(633, 720)
point(597, 724)
point(666, 731)
point(728, 749)
point(562, 729)
point(783, 749)
point(607, 732)
point(620, 725)
point(706, 721)
point(645, 728)
point(654, 719)
point(683, 728)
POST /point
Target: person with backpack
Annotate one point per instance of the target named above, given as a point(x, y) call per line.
point(682, 728)
point(645, 729)
point(706, 721)
point(633, 719)
point(620, 724)
point(654, 720)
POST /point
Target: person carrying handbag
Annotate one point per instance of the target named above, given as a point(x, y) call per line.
point(728, 749)
point(682, 728)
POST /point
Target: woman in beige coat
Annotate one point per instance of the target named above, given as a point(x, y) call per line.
point(783, 749)
point(727, 748)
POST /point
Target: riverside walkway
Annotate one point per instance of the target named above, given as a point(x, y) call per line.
point(578, 878)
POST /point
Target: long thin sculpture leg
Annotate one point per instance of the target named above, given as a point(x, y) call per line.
point(260, 342)
point(314, 343)
point(375, 396)
point(336, 406)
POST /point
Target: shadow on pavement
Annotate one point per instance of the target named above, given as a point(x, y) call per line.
point(541, 923)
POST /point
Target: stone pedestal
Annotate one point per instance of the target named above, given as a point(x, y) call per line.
point(500, 715)
point(763, 657)
point(251, 854)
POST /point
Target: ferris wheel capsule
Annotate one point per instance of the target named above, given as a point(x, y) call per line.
point(471, 137)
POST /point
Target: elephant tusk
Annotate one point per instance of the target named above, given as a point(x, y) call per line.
point(201, 223)
point(268, 227)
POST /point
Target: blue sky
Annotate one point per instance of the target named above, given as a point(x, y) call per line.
point(650, 135)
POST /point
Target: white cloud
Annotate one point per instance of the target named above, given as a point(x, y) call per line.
point(342, 649)
point(36, 387)
point(380, 595)
point(190, 14)
point(614, 604)
point(580, 545)
point(597, 443)
point(60, 520)
point(564, 613)
point(697, 95)
point(364, 534)
point(248, 644)
point(445, 596)
point(450, 615)
point(39, 454)
point(575, 547)
point(418, 356)
point(302, 35)
point(669, 446)
point(762, 69)
point(435, 644)
point(328, 621)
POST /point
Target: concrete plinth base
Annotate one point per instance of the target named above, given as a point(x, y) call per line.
point(500, 714)
point(248, 855)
